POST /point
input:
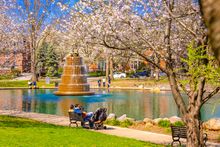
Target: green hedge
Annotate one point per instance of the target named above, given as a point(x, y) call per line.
point(13, 74)
point(114, 122)
point(164, 123)
point(96, 74)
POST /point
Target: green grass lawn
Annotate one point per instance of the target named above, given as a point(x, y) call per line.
point(117, 82)
point(132, 82)
point(25, 132)
point(10, 83)
point(24, 83)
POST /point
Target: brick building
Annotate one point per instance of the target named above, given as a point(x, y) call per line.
point(16, 60)
point(19, 58)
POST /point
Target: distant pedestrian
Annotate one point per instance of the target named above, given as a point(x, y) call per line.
point(109, 79)
point(108, 84)
point(99, 82)
point(29, 84)
point(35, 84)
point(103, 82)
point(47, 80)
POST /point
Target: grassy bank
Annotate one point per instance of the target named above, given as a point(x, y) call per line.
point(25, 132)
point(139, 82)
point(24, 83)
point(115, 83)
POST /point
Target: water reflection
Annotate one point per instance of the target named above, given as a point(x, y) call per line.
point(11, 100)
point(134, 103)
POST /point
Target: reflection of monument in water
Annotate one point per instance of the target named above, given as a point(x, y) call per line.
point(74, 80)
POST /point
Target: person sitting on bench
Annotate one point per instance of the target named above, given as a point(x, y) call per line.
point(78, 109)
point(71, 108)
point(86, 116)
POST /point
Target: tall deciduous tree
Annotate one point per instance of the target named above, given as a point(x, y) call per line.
point(36, 18)
point(163, 28)
point(11, 38)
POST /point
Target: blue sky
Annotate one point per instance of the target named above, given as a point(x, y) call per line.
point(53, 10)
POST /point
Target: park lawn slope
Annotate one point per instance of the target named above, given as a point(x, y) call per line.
point(12, 83)
point(24, 83)
point(115, 83)
point(25, 132)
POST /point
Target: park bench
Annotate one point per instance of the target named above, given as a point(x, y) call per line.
point(180, 132)
point(74, 118)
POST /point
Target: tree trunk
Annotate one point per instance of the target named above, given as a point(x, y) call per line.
point(107, 68)
point(33, 53)
point(157, 73)
point(111, 67)
point(156, 69)
point(33, 67)
point(194, 131)
point(151, 71)
point(211, 13)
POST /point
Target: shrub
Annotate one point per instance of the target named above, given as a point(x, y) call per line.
point(126, 123)
point(60, 70)
point(94, 74)
point(13, 73)
point(164, 123)
point(168, 130)
point(16, 72)
point(130, 73)
point(6, 77)
point(113, 122)
point(179, 124)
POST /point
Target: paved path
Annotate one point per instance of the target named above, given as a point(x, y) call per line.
point(24, 76)
point(124, 132)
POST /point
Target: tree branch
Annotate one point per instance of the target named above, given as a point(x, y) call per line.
point(180, 22)
point(201, 91)
point(215, 91)
point(138, 53)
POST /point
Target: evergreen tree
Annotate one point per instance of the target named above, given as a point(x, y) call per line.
point(51, 63)
point(41, 59)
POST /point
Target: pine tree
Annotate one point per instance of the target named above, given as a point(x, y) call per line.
point(41, 59)
point(51, 63)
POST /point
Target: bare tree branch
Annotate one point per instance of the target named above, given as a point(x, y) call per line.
point(215, 91)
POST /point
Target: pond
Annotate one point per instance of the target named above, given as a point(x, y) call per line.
point(136, 104)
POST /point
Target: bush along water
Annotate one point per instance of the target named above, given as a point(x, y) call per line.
point(11, 75)
point(164, 123)
point(179, 124)
point(126, 123)
point(114, 122)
